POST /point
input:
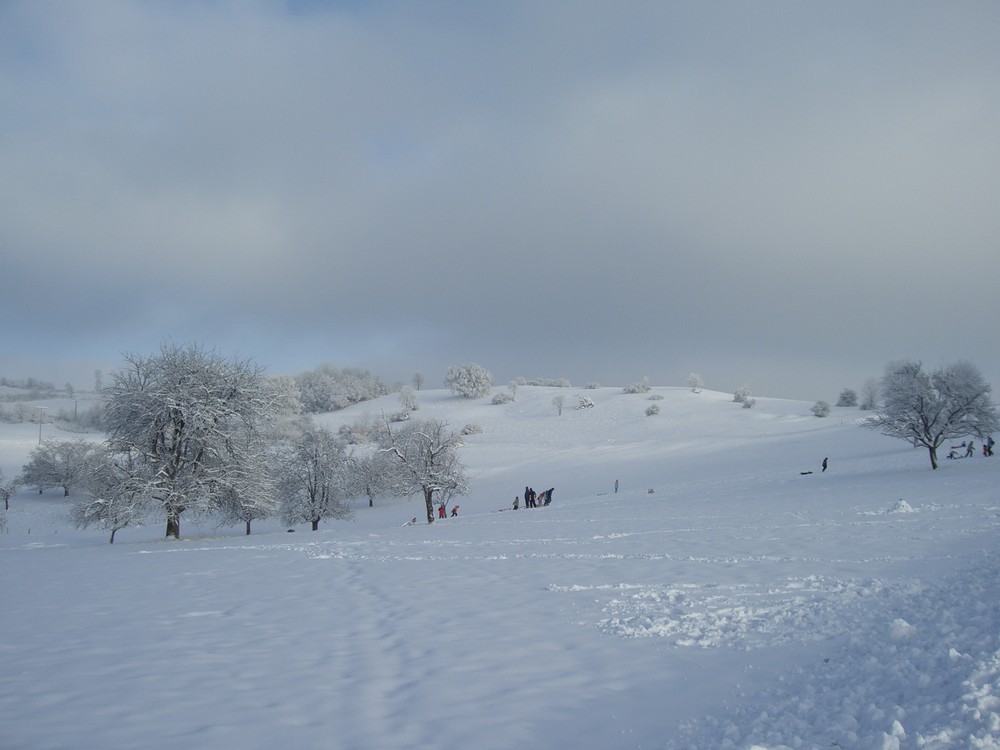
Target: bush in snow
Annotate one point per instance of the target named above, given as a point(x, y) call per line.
point(472, 429)
point(695, 382)
point(469, 381)
point(585, 402)
point(742, 396)
point(358, 433)
point(550, 382)
point(656, 397)
point(641, 387)
point(593, 386)
point(502, 398)
point(847, 398)
point(821, 409)
point(652, 410)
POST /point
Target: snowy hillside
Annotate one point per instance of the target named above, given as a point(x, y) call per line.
point(722, 598)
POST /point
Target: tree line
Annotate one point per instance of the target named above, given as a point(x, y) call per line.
point(191, 433)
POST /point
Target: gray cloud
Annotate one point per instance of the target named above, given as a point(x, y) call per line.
point(779, 195)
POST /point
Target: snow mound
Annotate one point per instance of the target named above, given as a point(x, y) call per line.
point(901, 506)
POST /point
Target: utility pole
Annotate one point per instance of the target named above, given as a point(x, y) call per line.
point(40, 410)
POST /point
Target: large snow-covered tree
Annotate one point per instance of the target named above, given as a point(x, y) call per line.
point(928, 408)
point(470, 381)
point(428, 459)
point(59, 463)
point(187, 419)
point(312, 473)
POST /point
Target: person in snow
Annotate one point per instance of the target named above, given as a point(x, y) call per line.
point(517, 501)
point(548, 495)
point(824, 463)
point(454, 511)
point(527, 496)
point(441, 511)
point(970, 451)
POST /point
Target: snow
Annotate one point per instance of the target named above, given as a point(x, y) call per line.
point(719, 599)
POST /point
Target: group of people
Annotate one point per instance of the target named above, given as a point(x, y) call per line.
point(443, 511)
point(970, 448)
point(533, 499)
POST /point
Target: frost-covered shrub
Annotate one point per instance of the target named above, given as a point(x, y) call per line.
point(695, 382)
point(821, 409)
point(593, 386)
point(585, 402)
point(469, 381)
point(359, 433)
point(550, 382)
point(502, 398)
point(742, 395)
point(558, 402)
point(328, 389)
point(656, 397)
point(640, 387)
point(652, 410)
point(472, 429)
point(399, 416)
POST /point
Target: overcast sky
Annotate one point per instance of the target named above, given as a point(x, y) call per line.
point(782, 195)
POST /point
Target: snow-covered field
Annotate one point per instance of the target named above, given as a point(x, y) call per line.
point(719, 599)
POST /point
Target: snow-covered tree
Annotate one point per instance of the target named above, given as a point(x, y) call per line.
point(428, 455)
point(695, 382)
point(926, 409)
point(418, 380)
point(559, 402)
point(252, 498)
point(313, 477)
point(186, 421)
point(59, 463)
point(470, 381)
point(408, 399)
point(743, 396)
point(112, 500)
point(847, 398)
point(8, 488)
point(371, 475)
point(869, 395)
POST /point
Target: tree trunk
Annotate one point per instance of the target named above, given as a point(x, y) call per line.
point(112, 539)
point(248, 527)
point(174, 526)
point(429, 502)
point(933, 451)
point(315, 524)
